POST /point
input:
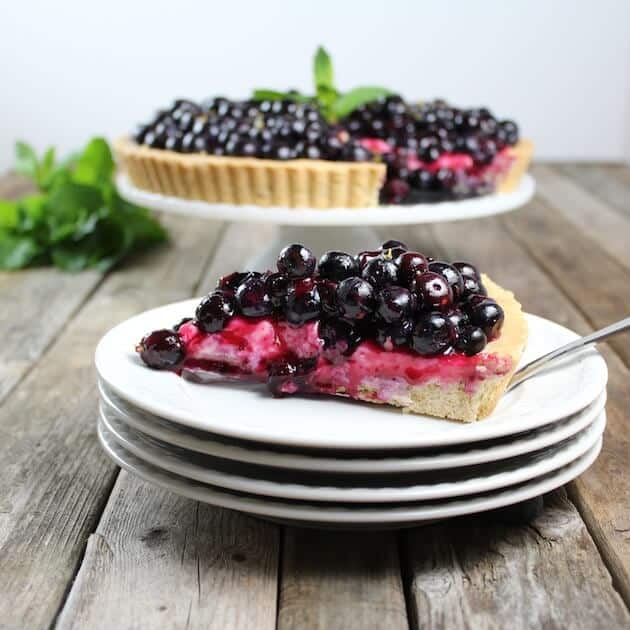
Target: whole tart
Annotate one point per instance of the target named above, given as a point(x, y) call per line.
point(386, 327)
point(288, 154)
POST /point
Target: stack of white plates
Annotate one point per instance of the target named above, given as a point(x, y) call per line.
point(338, 463)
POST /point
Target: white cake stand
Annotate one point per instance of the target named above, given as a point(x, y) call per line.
point(335, 228)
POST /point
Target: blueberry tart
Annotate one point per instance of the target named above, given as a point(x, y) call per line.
point(387, 326)
point(330, 150)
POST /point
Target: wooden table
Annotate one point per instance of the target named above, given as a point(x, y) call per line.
point(84, 545)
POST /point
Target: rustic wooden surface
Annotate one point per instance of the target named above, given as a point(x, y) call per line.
point(83, 545)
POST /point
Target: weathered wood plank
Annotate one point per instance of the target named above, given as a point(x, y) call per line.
point(340, 580)
point(494, 249)
point(36, 304)
point(205, 568)
point(55, 479)
point(606, 182)
point(595, 281)
point(162, 561)
point(475, 572)
point(608, 227)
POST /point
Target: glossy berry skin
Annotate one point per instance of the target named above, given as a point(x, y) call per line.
point(277, 286)
point(232, 280)
point(215, 310)
point(355, 298)
point(337, 266)
point(390, 336)
point(380, 272)
point(459, 319)
point(296, 261)
point(392, 244)
point(471, 340)
point(303, 303)
point(488, 315)
point(252, 298)
point(472, 286)
point(394, 304)
point(289, 375)
point(339, 337)
point(452, 275)
point(364, 257)
point(328, 296)
point(409, 264)
point(161, 349)
point(432, 335)
point(432, 290)
point(466, 269)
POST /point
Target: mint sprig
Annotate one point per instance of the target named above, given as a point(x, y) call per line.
point(77, 220)
point(332, 103)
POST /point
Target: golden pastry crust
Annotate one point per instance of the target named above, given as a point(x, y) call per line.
point(244, 181)
point(522, 152)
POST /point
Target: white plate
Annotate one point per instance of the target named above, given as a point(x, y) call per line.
point(318, 514)
point(249, 412)
point(382, 215)
point(435, 459)
point(302, 486)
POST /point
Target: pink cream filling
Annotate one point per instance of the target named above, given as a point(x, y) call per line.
point(455, 161)
point(244, 349)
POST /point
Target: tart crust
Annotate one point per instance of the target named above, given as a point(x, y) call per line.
point(522, 152)
point(452, 401)
point(242, 181)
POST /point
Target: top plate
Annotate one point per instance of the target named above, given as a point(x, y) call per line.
point(249, 412)
point(382, 215)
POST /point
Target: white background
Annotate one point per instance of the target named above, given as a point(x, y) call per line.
point(73, 68)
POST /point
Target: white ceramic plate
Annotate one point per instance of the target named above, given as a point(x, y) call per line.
point(434, 459)
point(348, 516)
point(249, 412)
point(382, 215)
point(301, 486)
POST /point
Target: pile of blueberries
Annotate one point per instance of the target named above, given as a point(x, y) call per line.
point(394, 297)
point(286, 130)
point(276, 130)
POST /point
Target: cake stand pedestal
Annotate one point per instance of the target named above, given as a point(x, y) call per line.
point(346, 229)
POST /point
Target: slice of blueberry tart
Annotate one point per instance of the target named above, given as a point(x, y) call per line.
point(388, 326)
point(330, 150)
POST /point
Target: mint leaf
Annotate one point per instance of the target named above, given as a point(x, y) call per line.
point(348, 102)
point(9, 215)
point(323, 70)
point(17, 251)
point(26, 160)
point(95, 165)
point(268, 95)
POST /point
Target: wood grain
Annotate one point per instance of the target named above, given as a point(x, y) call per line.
point(55, 479)
point(205, 567)
point(158, 560)
point(338, 580)
point(495, 250)
point(590, 214)
point(475, 572)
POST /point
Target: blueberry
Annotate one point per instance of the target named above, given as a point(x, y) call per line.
point(471, 340)
point(459, 319)
point(409, 264)
point(252, 297)
point(337, 266)
point(380, 272)
point(432, 335)
point(355, 298)
point(488, 315)
point(472, 286)
point(328, 296)
point(393, 244)
point(161, 349)
point(296, 261)
point(215, 310)
point(394, 304)
point(303, 302)
point(432, 290)
point(396, 335)
point(452, 275)
point(364, 257)
point(290, 375)
point(339, 337)
point(277, 286)
point(466, 269)
point(232, 280)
